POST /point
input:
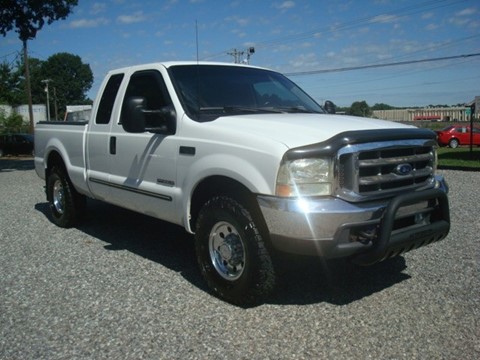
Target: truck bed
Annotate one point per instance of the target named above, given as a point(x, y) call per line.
point(68, 139)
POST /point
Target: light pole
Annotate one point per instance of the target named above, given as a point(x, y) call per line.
point(46, 81)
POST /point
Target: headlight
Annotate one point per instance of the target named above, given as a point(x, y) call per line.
point(305, 177)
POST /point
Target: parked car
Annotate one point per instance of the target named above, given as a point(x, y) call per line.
point(16, 144)
point(455, 135)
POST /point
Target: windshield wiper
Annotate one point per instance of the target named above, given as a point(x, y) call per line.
point(296, 109)
point(238, 109)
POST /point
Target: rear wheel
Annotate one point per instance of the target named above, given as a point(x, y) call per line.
point(66, 204)
point(453, 143)
point(232, 254)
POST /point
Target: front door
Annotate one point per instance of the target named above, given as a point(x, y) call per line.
point(142, 166)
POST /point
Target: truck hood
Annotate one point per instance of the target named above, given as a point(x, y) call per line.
point(294, 130)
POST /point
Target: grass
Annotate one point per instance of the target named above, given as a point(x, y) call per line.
point(459, 158)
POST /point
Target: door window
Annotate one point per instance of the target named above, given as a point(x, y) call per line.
point(148, 85)
point(108, 99)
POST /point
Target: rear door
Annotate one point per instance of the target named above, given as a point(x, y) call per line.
point(98, 135)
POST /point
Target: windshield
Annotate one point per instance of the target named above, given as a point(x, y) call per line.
point(210, 91)
point(447, 128)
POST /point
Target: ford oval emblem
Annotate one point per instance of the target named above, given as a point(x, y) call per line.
point(403, 169)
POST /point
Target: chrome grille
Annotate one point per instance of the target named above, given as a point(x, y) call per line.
point(376, 170)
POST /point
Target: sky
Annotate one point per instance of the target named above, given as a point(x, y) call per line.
point(326, 47)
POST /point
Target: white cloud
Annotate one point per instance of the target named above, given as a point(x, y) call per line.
point(130, 19)
point(384, 19)
point(239, 33)
point(285, 5)
point(431, 27)
point(282, 48)
point(427, 15)
point(458, 21)
point(466, 12)
point(240, 21)
point(302, 61)
point(98, 8)
point(88, 23)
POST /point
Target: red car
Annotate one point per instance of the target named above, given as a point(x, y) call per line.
point(456, 135)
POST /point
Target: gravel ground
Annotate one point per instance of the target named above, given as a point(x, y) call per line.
point(126, 286)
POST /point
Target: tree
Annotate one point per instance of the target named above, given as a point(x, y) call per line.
point(360, 108)
point(69, 82)
point(7, 83)
point(382, 106)
point(27, 17)
point(36, 88)
point(70, 79)
point(12, 123)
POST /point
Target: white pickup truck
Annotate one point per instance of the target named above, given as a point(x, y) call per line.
point(244, 159)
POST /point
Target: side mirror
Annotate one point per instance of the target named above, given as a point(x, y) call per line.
point(330, 107)
point(164, 120)
point(133, 117)
point(137, 119)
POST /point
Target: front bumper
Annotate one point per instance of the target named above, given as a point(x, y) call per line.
point(368, 232)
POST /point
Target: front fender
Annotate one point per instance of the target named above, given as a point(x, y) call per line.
point(257, 177)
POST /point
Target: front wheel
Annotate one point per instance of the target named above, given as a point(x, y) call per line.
point(232, 254)
point(66, 204)
point(453, 143)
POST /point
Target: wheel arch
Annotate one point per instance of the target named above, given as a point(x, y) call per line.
point(218, 186)
point(54, 159)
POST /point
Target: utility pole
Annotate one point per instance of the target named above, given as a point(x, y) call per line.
point(55, 97)
point(46, 81)
point(238, 55)
point(28, 86)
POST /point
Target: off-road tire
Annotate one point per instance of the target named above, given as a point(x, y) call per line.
point(232, 253)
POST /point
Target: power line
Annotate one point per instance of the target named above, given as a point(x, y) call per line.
point(9, 54)
point(396, 13)
point(373, 19)
point(373, 66)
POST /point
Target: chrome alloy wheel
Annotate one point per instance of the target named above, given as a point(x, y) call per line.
point(58, 197)
point(227, 251)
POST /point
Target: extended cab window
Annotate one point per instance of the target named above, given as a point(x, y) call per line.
point(148, 85)
point(108, 98)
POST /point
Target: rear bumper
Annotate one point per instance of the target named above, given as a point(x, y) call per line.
point(367, 232)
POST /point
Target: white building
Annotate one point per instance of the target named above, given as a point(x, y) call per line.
point(39, 112)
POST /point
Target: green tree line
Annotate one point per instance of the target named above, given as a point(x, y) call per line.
point(69, 80)
point(361, 108)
